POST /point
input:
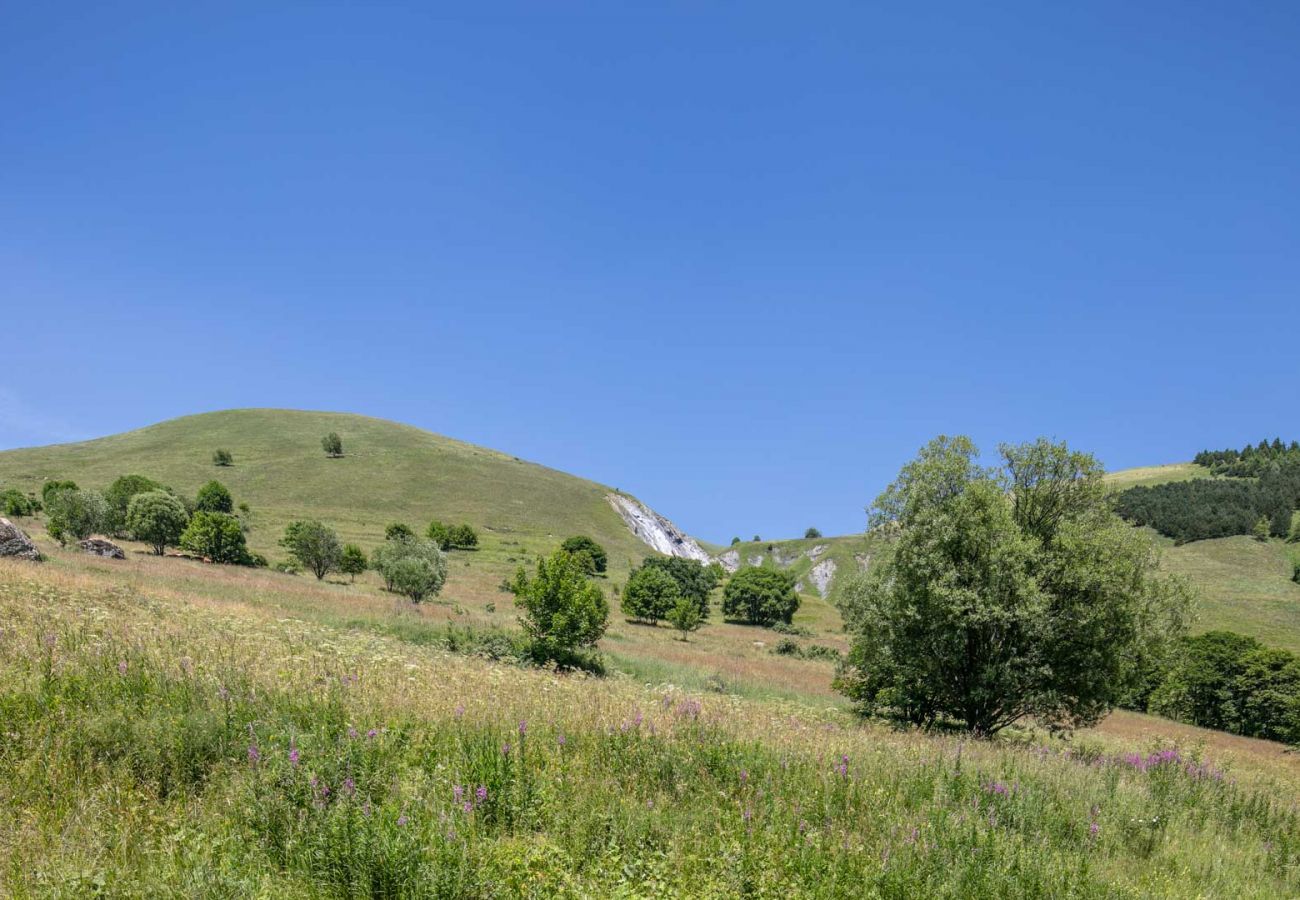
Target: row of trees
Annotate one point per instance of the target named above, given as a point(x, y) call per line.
point(1005, 592)
point(1249, 461)
point(1230, 682)
point(1211, 508)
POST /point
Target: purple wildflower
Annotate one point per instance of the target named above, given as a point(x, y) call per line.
point(372, 734)
point(467, 807)
point(121, 667)
point(253, 754)
point(352, 732)
point(458, 792)
point(349, 787)
point(561, 740)
point(481, 793)
point(505, 749)
point(402, 820)
point(293, 755)
point(523, 727)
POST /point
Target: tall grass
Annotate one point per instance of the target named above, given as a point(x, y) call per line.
point(148, 748)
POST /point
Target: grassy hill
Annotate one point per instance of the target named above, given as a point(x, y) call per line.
point(1245, 585)
point(390, 472)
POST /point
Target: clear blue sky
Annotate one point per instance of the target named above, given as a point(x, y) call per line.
point(741, 262)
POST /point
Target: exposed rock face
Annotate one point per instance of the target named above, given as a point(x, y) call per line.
point(756, 560)
point(730, 561)
point(864, 560)
point(815, 551)
point(656, 531)
point(101, 547)
point(782, 560)
point(822, 574)
point(15, 543)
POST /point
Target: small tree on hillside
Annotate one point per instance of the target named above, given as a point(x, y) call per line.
point(14, 502)
point(332, 444)
point(398, 531)
point(695, 580)
point(684, 616)
point(1261, 530)
point(760, 596)
point(580, 543)
point(649, 595)
point(440, 534)
point(214, 497)
point(415, 581)
point(222, 458)
point(216, 536)
point(314, 545)
point(352, 561)
point(118, 497)
point(157, 518)
point(812, 533)
point(1294, 536)
point(563, 612)
point(75, 514)
point(462, 537)
point(735, 541)
point(50, 488)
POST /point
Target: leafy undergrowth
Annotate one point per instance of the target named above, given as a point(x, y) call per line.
point(150, 747)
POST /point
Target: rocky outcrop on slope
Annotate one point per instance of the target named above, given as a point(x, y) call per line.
point(15, 543)
point(822, 574)
point(730, 561)
point(102, 547)
point(656, 531)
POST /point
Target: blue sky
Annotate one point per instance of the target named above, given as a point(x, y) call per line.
point(739, 259)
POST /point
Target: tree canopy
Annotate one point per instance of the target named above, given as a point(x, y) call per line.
point(1007, 592)
point(562, 611)
point(760, 596)
point(314, 545)
point(580, 543)
point(157, 518)
point(214, 497)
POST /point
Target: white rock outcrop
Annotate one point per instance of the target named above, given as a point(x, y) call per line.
point(730, 561)
point(656, 531)
point(822, 574)
point(815, 552)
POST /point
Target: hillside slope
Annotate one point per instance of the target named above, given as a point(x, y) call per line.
point(390, 472)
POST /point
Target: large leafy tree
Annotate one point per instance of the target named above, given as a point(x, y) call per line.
point(760, 596)
point(562, 611)
point(314, 545)
point(157, 518)
point(214, 497)
point(118, 496)
point(74, 513)
point(416, 581)
point(1007, 592)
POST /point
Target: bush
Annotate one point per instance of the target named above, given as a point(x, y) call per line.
point(214, 497)
point(352, 561)
point(217, 537)
point(74, 513)
point(157, 518)
point(563, 612)
point(684, 616)
point(580, 543)
point(440, 534)
point(735, 541)
point(1293, 537)
point(786, 628)
point(222, 458)
point(397, 531)
point(50, 488)
point(760, 596)
point(315, 545)
point(332, 444)
point(649, 595)
point(118, 496)
point(812, 533)
point(14, 502)
point(462, 537)
point(416, 582)
point(288, 567)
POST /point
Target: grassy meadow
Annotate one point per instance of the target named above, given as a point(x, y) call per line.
point(174, 729)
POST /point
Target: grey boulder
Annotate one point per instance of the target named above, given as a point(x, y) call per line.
point(15, 543)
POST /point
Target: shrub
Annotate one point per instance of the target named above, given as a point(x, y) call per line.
point(427, 579)
point(352, 561)
point(579, 543)
point(440, 534)
point(462, 537)
point(649, 595)
point(216, 536)
point(1260, 530)
point(812, 533)
point(563, 612)
point(756, 539)
point(332, 444)
point(760, 596)
point(684, 616)
point(74, 513)
point(214, 497)
point(222, 458)
point(397, 531)
point(1293, 537)
point(315, 545)
point(786, 628)
point(735, 541)
point(50, 488)
point(288, 567)
point(1007, 593)
point(14, 502)
point(157, 518)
